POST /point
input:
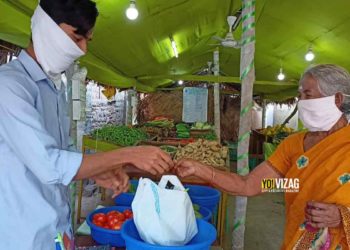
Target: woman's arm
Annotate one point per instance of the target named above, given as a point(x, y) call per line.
point(249, 185)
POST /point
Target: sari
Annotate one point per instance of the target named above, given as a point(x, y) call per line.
point(324, 176)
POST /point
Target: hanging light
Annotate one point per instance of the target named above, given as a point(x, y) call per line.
point(281, 76)
point(310, 56)
point(173, 45)
point(132, 13)
point(181, 82)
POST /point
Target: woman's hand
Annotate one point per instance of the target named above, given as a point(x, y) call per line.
point(187, 168)
point(116, 180)
point(321, 215)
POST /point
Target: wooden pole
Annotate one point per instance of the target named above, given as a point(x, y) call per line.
point(217, 97)
point(247, 73)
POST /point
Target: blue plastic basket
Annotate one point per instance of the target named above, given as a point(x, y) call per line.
point(204, 196)
point(202, 241)
point(105, 236)
point(125, 199)
point(206, 213)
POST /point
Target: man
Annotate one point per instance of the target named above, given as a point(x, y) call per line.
point(318, 216)
point(35, 165)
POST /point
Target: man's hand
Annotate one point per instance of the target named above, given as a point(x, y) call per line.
point(321, 215)
point(150, 159)
point(116, 180)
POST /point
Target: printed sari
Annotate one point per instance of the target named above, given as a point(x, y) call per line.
point(324, 175)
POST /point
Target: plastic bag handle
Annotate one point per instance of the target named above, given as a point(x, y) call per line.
point(156, 197)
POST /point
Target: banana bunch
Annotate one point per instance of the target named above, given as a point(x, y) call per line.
point(109, 92)
point(272, 131)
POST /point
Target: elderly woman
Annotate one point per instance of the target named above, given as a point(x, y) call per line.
point(318, 216)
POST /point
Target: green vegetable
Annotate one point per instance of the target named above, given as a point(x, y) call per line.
point(183, 135)
point(196, 208)
point(132, 189)
point(169, 149)
point(160, 124)
point(198, 214)
point(120, 135)
point(182, 130)
point(210, 136)
point(201, 126)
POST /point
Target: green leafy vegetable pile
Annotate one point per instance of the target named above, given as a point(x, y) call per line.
point(182, 130)
point(120, 135)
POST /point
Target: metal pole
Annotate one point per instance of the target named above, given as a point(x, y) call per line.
point(217, 112)
point(264, 113)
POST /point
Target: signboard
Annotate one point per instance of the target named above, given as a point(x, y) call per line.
point(195, 105)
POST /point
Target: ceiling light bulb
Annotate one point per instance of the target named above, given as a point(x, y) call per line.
point(309, 55)
point(281, 76)
point(181, 82)
point(132, 13)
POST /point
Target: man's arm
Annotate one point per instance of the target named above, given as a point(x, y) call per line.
point(22, 130)
point(139, 159)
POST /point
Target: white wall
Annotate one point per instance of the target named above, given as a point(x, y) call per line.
point(277, 114)
point(256, 117)
point(269, 115)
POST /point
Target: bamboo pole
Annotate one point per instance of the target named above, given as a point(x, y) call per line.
point(247, 73)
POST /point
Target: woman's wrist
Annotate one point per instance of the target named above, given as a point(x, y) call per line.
point(204, 172)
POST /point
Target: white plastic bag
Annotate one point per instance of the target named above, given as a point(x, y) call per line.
point(163, 216)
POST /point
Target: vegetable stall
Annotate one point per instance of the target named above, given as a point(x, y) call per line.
point(209, 152)
point(177, 45)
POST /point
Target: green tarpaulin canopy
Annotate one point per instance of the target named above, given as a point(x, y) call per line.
point(138, 53)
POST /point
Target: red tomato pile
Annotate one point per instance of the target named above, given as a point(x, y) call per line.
point(113, 220)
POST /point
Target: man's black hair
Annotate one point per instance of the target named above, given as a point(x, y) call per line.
point(80, 14)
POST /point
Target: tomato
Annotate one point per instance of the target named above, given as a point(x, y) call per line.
point(128, 214)
point(112, 222)
point(100, 217)
point(121, 217)
point(117, 226)
point(112, 212)
point(98, 223)
point(111, 216)
point(106, 226)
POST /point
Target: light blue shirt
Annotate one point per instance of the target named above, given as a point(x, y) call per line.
point(35, 166)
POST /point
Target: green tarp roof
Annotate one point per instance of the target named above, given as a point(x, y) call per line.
point(138, 53)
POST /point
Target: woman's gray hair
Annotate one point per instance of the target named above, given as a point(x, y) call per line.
point(332, 79)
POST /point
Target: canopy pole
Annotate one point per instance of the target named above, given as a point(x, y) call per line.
point(263, 113)
point(247, 75)
point(217, 112)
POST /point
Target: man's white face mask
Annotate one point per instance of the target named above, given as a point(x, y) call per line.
point(319, 114)
point(54, 49)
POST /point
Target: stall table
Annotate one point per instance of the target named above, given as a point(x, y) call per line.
point(102, 146)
